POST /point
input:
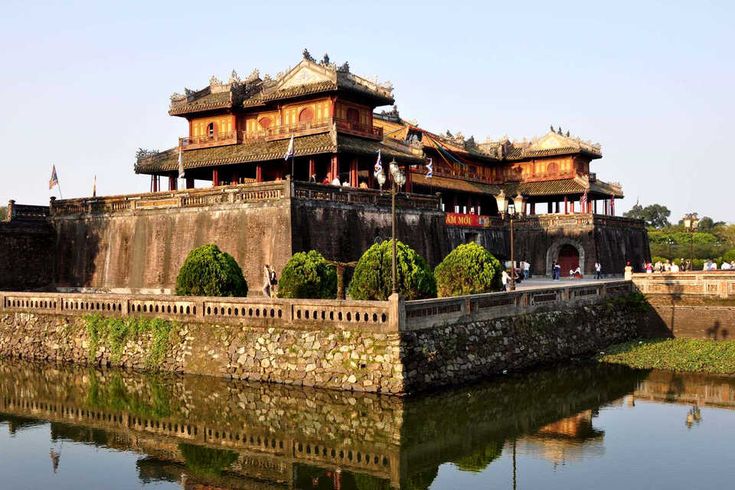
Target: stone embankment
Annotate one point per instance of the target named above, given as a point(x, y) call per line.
point(391, 347)
point(689, 304)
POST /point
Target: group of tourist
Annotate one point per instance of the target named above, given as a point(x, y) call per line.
point(328, 180)
point(576, 272)
point(686, 266)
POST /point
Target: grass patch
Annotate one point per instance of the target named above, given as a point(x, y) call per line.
point(114, 333)
point(693, 355)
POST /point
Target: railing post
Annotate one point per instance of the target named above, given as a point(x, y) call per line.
point(126, 307)
point(2, 302)
point(396, 313)
point(59, 302)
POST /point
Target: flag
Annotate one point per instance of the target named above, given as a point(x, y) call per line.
point(94, 187)
point(429, 169)
point(289, 152)
point(54, 181)
point(181, 163)
point(378, 165)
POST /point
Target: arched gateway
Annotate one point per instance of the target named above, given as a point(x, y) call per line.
point(568, 253)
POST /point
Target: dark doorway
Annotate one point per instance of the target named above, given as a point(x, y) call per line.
point(568, 258)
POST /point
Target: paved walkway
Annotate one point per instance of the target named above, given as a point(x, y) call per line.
point(545, 282)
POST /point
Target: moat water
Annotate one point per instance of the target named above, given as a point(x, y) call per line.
point(577, 426)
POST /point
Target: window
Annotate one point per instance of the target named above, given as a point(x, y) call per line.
point(210, 130)
point(265, 122)
point(353, 115)
point(306, 116)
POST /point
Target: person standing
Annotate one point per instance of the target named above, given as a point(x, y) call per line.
point(598, 270)
point(267, 281)
point(526, 270)
point(505, 278)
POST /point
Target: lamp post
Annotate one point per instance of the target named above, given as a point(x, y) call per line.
point(398, 179)
point(513, 211)
point(691, 222)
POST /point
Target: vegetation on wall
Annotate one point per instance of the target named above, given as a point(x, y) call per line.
point(208, 271)
point(3, 213)
point(468, 269)
point(308, 275)
point(114, 333)
point(372, 277)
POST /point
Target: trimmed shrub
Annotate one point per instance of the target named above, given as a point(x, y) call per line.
point(372, 277)
point(208, 271)
point(468, 269)
point(308, 275)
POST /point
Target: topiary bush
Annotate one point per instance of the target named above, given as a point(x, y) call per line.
point(208, 271)
point(372, 277)
point(468, 269)
point(308, 275)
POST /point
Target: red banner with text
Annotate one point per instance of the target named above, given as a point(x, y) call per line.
point(469, 220)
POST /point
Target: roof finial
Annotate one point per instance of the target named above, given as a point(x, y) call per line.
point(567, 133)
point(308, 56)
point(551, 127)
point(560, 131)
point(325, 59)
point(345, 67)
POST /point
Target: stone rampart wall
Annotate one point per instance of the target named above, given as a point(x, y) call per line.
point(26, 254)
point(473, 349)
point(392, 347)
point(689, 304)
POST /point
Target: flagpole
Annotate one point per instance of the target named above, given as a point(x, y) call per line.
point(59, 186)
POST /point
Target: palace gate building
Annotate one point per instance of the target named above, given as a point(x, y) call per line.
point(240, 191)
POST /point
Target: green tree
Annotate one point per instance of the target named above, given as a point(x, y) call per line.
point(308, 275)
point(372, 277)
point(468, 269)
point(208, 271)
point(655, 215)
point(729, 256)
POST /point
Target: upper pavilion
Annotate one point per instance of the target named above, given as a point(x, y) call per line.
point(239, 131)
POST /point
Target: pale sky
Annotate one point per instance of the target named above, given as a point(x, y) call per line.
point(85, 84)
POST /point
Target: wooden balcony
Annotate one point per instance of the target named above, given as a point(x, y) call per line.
point(205, 141)
point(315, 127)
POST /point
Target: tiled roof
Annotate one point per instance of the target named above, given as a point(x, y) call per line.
point(265, 96)
point(520, 153)
point(261, 150)
point(204, 102)
point(249, 151)
point(529, 189)
point(458, 185)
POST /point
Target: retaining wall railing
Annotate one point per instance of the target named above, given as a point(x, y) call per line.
point(349, 315)
point(253, 192)
point(377, 316)
point(430, 313)
point(715, 284)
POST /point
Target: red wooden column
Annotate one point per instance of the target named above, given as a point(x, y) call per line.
point(334, 167)
point(409, 180)
point(153, 183)
point(173, 183)
point(312, 168)
point(189, 182)
point(533, 208)
point(566, 205)
point(215, 177)
point(259, 173)
point(353, 172)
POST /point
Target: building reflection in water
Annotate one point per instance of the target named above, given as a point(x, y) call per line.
point(203, 432)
